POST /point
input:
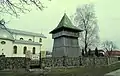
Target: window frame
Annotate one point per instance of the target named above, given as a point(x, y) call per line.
point(40, 39)
point(24, 49)
point(3, 42)
point(14, 49)
point(33, 50)
point(21, 38)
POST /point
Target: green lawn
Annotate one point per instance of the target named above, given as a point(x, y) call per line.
point(18, 73)
point(82, 71)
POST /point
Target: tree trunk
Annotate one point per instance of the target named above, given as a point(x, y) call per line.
point(86, 42)
point(110, 51)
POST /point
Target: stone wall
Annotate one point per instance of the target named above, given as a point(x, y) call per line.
point(13, 62)
point(78, 61)
point(21, 62)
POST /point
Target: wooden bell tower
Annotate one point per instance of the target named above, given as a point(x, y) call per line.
point(65, 37)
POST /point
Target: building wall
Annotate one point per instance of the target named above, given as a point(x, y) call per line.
point(65, 33)
point(43, 47)
point(37, 39)
point(7, 47)
point(43, 54)
point(17, 37)
point(66, 46)
point(29, 47)
point(20, 49)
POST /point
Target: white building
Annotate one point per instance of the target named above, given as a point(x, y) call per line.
point(15, 43)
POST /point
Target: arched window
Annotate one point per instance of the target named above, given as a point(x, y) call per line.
point(30, 39)
point(3, 42)
point(33, 50)
point(21, 38)
point(40, 40)
point(15, 49)
point(24, 50)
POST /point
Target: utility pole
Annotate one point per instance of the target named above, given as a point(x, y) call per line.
point(40, 60)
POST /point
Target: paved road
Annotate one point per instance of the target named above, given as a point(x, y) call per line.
point(114, 73)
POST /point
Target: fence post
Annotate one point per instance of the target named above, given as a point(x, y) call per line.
point(64, 61)
point(107, 61)
point(94, 61)
point(52, 62)
point(80, 60)
point(2, 62)
point(28, 62)
point(25, 63)
point(40, 60)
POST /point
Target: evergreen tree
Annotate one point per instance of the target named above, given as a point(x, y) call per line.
point(96, 52)
point(89, 52)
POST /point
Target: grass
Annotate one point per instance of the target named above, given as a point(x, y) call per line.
point(17, 73)
point(85, 71)
point(81, 71)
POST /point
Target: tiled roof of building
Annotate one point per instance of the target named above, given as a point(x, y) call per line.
point(4, 33)
point(26, 33)
point(113, 53)
point(66, 23)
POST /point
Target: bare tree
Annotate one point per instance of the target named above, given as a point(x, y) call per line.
point(14, 7)
point(85, 19)
point(109, 45)
point(83, 52)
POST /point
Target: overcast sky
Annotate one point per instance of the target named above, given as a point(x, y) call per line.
point(107, 11)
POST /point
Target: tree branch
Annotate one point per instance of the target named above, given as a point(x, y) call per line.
point(12, 8)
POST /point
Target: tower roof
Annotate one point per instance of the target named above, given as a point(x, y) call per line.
point(66, 23)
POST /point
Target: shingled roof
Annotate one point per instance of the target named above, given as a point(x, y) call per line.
point(66, 23)
point(26, 33)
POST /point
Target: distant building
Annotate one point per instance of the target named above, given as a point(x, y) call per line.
point(48, 54)
point(113, 53)
point(15, 43)
point(100, 52)
point(65, 37)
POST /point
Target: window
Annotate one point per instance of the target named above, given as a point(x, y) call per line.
point(40, 40)
point(30, 39)
point(21, 38)
point(3, 42)
point(15, 49)
point(24, 50)
point(33, 50)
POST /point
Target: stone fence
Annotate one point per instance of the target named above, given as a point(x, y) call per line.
point(22, 62)
point(78, 61)
point(14, 62)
